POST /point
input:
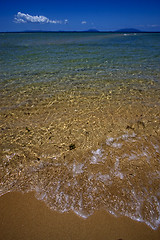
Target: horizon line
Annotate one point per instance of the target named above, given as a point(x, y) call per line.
point(82, 31)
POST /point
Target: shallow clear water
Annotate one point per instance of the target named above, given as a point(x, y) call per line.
point(80, 121)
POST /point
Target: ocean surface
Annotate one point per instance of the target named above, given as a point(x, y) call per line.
point(80, 121)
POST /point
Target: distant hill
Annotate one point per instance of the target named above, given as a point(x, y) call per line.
point(92, 30)
point(128, 30)
point(124, 30)
point(60, 31)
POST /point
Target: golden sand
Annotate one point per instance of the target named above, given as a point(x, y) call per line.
point(23, 217)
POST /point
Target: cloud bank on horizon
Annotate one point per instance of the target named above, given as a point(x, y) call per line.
point(27, 18)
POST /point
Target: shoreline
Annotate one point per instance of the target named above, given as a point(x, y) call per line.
point(24, 217)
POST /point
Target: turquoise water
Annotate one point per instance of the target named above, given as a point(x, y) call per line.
point(80, 121)
point(72, 59)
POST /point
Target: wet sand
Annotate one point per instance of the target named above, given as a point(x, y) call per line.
point(24, 217)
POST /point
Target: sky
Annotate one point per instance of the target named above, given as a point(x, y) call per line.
point(72, 15)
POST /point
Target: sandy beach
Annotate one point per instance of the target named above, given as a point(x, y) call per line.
point(24, 217)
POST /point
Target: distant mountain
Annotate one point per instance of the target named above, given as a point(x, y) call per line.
point(34, 31)
point(124, 30)
point(60, 31)
point(128, 30)
point(92, 30)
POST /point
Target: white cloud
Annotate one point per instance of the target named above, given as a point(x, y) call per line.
point(149, 25)
point(83, 22)
point(66, 21)
point(25, 18)
point(153, 25)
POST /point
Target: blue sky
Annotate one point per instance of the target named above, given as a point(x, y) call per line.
point(56, 15)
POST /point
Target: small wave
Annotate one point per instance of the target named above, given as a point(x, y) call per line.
point(120, 177)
